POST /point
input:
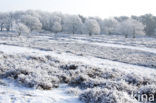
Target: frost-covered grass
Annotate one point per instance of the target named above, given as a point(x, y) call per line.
point(93, 69)
point(139, 51)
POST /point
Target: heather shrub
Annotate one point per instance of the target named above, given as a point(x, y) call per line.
point(31, 78)
point(103, 95)
point(73, 91)
point(137, 80)
point(69, 67)
point(146, 93)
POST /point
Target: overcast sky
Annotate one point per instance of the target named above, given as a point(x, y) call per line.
point(101, 8)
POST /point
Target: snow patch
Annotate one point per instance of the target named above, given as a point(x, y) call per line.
point(17, 94)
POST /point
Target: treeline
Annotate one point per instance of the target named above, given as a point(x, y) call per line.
point(28, 21)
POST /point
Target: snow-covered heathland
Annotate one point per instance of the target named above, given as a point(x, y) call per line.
point(64, 68)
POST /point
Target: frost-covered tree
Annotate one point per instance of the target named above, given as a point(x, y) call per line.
point(6, 21)
point(150, 21)
point(130, 27)
point(100, 22)
point(55, 24)
point(48, 20)
point(109, 25)
point(72, 24)
point(92, 26)
point(45, 20)
point(57, 27)
point(21, 28)
point(2, 20)
point(17, 14)
point(32, 22)
point(58, 22)
point(84, 29)
point(83, 19)
point(32, 13)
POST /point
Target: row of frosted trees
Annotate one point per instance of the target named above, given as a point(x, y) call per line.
point(29, 21)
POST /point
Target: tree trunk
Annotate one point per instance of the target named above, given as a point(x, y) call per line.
point(8, 29)
point(126, 36)
point(2, 25)
point(134, 33)
point(19, 34)
point(1, 28)
point(90, 34)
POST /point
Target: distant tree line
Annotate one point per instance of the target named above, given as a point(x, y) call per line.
point(28, 21)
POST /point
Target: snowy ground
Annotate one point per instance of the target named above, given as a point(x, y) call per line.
point(46, 62)
point(11, 93)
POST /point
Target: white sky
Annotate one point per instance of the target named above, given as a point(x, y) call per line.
point(101, 8)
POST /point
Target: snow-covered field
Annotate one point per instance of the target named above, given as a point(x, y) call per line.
point(62, 68)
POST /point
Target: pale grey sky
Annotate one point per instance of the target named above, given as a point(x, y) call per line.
point(101, 8)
